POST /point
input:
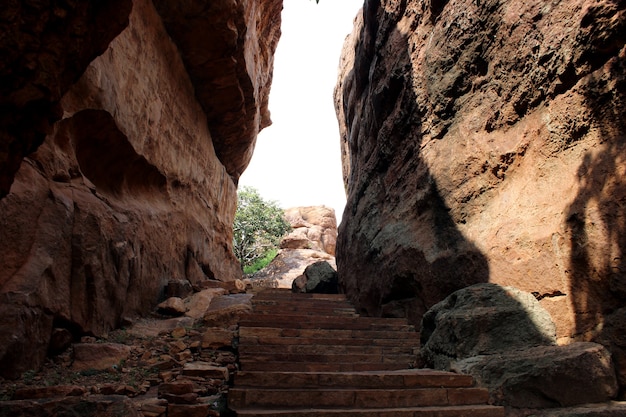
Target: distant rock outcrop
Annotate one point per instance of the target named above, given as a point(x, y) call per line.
point(312, 228)
point(135, 185)
point(483, 142)
point(312, 239)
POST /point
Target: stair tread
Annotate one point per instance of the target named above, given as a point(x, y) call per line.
point(435, 411)
point(334, 362)
point(396, 378)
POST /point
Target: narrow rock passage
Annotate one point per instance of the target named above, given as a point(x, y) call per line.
point(312, 355)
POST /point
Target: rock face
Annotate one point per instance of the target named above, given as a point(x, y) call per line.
point(312, 239)
point(312, 228)
point(135, 186)
point(46, 46)
point(483, 142)
point(506, 341)
point(546, 376)
point(483, 319)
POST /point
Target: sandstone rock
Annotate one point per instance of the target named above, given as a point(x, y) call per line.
point(60, 340)
point(48, 392)
point(46, 47)
point(179, 410)
point(312, 228)
point(132, 157)
point(180, 288)
point(608, 409)
point(179, 392)
point(217, 337)
point(226, 310)
point(99, 356)
point(152, 328)
point(173, 306)
point(319, 277)
point(613, 336)
point(287, 266)
point(91, 406)
point(176, 388)
point(179, 332)
point(232, 287)
point(480, 320)
point(482, 142)
point(205, 370)
point(24, 339)
point(232, 76)
point(198, 303)
point(545, 376)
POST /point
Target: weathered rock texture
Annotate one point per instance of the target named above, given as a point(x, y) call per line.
point(136, 185)
point(484, 141)
point(45, 47)
point(312, 227)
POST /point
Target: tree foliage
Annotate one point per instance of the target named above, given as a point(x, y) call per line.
point(259, 225)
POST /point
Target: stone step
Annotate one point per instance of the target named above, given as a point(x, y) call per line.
point(306, 310)
point(329, 358)
point(256, 365)
point(326, 333)
point(287, 321)
point(409, 342)
point(294, 302)
point(279, 294)
point(311, 348)
point(334, 363)
point(446, 411)
point(348, 397)
point(410, 378)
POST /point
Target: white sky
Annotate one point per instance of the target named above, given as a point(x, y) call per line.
point(297, 160)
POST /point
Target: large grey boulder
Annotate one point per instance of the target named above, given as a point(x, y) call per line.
point(483, 319)
point(545, 376)
point(319, 278)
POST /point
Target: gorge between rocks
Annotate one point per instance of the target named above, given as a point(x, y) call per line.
point(482, 142)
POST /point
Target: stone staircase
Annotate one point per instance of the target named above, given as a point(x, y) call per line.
point(312, 355)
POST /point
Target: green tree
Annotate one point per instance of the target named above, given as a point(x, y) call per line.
point(259, 225)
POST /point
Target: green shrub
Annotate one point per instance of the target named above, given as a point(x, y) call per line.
point(261, 262)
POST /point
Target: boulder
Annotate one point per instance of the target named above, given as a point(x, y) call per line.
point(99, 356)
point(545, 376)
point(199, 302)
point(225, 310)
point(480, 320)
point(319, 278)
point(217, 337)
point(287, 266)
point(173, 306)
point(613, 336)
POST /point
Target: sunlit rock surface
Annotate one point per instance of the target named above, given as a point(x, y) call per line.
point(129, 189)
point(484, 141)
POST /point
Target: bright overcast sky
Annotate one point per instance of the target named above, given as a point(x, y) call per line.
point(297, 160)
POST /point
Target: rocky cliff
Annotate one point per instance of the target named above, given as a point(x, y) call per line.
point(142, 115)
point(483, 140)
